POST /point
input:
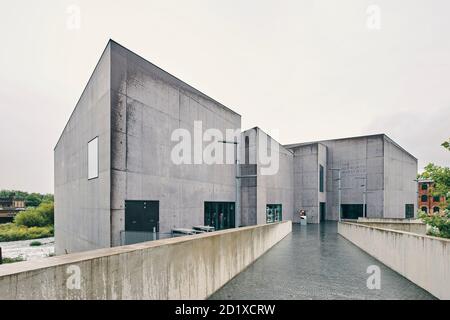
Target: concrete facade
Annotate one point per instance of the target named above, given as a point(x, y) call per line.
point(422, 259)
point(372, 165)
point(148, 104)
point(306, 165)
point(191, 267)
point(134, 108)
point(265, 189)
point(408, 225)
point(82, 206)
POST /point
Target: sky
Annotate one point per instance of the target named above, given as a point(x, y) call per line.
point(311, 69)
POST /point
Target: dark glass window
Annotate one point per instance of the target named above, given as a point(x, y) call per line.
point(424, 209)
point(321, 178)
point(436, 209)
point(424, 198)
point(273, 213)
point(352, 211)
point(436, 198)
point(409, 211)
point(247, 146)
point(220, 215)
point(424, 186)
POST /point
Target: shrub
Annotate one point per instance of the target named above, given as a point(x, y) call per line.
point(12, 232)
point(35, 244)
point(36, 217)
point(12, 260)
point(440, 225)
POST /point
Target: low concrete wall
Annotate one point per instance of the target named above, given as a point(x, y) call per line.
point(191, 267)
point(422, 259)
point(413, 226)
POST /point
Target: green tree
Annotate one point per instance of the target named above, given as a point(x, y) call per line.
point(446, 144)
point(41, 216)
point(48, 198)
point(33, 200)
point(13, 193)
point(440, 224)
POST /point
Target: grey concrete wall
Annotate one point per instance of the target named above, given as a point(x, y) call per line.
point(82, 206)
point(277, 188)
point(357, 157)
point(388, 168)
point(400, 171)
point(191, 267)
point(422, 259)
point(249, 166)
point(306, 181)
point(413, 226)
point(258, 192)
point(148, 104)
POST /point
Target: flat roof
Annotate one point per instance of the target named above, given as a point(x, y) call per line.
point(294, 145)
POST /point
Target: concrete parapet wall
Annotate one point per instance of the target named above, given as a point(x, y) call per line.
point(413, 226)
point(422, 259)
point(190, 267)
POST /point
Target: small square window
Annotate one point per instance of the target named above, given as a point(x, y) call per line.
point(93, 159)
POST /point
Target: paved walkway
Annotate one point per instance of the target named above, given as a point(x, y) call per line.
point(314, 262)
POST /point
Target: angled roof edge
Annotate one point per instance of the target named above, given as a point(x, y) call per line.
point(294, 145)
point(259, 129)
point(180, 82)
point(82, 93)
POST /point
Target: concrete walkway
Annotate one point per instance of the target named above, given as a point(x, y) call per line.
point(314, 262)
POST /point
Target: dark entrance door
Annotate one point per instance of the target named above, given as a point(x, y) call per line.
point(219, 215)
point(323, 211)
point(142, 216)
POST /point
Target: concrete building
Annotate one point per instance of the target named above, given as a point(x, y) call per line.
point(374, 171)
point(266, 197)
point(125, 117)
point(116, 177)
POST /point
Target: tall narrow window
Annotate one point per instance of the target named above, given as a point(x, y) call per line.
point(409, 211)
point(247, 147)
point(321, 178)
point(93, 159)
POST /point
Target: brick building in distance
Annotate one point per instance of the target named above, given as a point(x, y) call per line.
point(429, 203)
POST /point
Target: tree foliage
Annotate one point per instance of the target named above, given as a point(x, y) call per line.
point(41, 216)
point(446, 144)
point(440, 224)
point(31, 199)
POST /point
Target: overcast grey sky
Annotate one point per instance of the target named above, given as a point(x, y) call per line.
point(312, 69)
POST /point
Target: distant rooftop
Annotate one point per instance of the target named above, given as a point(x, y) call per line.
point(294, 145)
